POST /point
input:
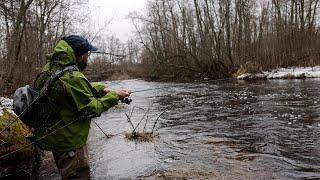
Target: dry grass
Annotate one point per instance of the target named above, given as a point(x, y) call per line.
point(249, 67)
point(289, 77)
point(119, 76)
point(141, 137)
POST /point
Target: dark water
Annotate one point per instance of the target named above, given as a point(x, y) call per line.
point(217, 130)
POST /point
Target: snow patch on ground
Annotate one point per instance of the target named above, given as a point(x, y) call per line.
point(285, 73)
point(5, 103)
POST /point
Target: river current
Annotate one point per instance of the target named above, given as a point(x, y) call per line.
point(209, 130)
point(213, 130)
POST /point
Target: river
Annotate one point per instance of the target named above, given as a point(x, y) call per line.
point(214, 130)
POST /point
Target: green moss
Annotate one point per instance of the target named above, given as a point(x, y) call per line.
point(14, 137)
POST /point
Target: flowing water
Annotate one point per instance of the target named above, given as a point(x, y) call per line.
point(218, 130)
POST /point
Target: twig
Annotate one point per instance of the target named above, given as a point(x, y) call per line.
point(134, 108)
point(128, 118)
point(141, 120)
point(147, 119)
point(102, 130)
point(134, 129)
point(145, 124)
point(154, 125)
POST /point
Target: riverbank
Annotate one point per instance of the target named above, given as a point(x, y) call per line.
point(284, 73)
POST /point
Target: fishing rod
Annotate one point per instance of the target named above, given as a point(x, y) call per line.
point(129, 100)
point(111, 54)
point(147, 89)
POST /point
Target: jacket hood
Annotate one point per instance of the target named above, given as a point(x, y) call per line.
point(62, 55)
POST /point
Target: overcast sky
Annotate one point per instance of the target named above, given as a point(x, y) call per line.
point(115, 12)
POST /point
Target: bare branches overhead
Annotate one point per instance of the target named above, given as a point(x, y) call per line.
point(28, 29)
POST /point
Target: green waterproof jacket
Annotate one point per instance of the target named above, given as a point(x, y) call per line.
point(75, 97)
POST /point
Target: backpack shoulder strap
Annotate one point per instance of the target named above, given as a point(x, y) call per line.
point(56, 75)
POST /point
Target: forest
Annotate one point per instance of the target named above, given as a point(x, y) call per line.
point(174, 40)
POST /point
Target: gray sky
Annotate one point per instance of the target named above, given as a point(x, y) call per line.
point(115, 12)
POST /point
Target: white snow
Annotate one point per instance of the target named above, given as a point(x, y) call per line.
point(5, 103)
point(284, 73)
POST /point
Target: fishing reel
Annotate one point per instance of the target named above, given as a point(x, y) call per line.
point(126, 100)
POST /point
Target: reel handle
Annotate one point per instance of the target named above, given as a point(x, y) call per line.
point(126, 100)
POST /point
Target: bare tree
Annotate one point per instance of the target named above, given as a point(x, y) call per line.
point(28, 30)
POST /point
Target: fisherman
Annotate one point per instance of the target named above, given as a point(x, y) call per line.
point(77, 101)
